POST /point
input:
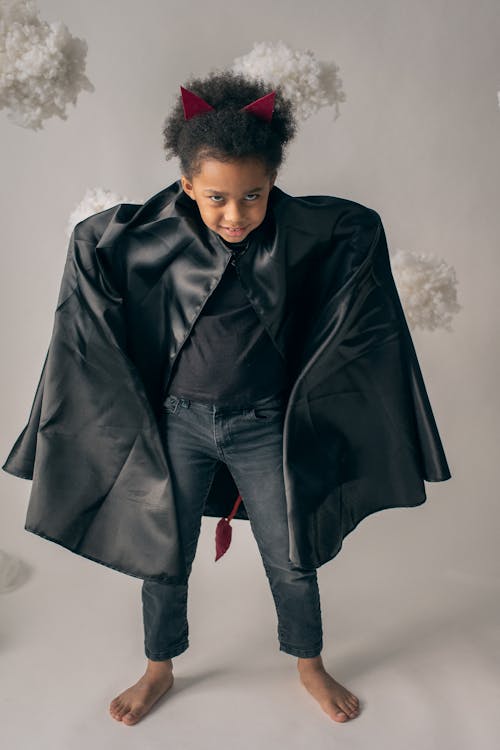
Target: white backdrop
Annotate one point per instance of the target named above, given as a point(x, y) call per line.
point(410, 605)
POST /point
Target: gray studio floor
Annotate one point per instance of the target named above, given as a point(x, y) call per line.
point(416, 638)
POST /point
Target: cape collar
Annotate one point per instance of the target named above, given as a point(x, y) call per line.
point(172, 204)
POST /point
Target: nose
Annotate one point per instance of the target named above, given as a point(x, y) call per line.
point(233, 217)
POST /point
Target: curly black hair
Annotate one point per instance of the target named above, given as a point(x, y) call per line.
point(226, 134)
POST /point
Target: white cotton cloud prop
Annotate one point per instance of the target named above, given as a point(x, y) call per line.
point(427, 288)
point(95, 200)
point(41, 65)
point(310, 83)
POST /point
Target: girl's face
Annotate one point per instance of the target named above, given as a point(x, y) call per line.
point(231, 195)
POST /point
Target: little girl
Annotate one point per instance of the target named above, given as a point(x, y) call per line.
point(226, 395)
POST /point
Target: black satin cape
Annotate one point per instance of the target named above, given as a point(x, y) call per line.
point(359, 433)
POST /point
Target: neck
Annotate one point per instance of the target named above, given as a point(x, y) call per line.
point(240, 244)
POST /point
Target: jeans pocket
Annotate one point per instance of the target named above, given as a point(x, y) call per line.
point(268, 410)
point(266, 413)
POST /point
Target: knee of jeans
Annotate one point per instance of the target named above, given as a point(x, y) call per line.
point(285, 567)
point(292, 576)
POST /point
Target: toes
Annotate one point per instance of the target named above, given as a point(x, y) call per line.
point(341, 715)
point(131, 717)
point(122, 710)
point(116, 711)
point(348, 712)
point(352, 703)
point(345, 710)
point(351, 710)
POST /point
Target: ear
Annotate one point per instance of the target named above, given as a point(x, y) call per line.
point(187, 187)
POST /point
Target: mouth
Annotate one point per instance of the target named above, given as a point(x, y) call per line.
point(234, 232)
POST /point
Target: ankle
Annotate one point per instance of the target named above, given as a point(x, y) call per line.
point(155, 667)
point(314, 663)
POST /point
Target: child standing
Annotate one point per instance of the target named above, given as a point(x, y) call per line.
point(226, 395)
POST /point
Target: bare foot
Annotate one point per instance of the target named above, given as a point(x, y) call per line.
point(334, 698)
point(131, 705)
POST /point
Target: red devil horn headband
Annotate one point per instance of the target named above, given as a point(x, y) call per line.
point(195, 105)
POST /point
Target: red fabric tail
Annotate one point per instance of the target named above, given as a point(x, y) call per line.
point(223, 531)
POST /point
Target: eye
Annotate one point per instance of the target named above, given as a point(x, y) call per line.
point(253, 196)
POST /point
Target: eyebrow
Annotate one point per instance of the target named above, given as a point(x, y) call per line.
point(219, 192)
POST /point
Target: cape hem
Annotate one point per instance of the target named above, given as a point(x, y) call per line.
point(159, 578)
point(20, 474)
point(322, 560)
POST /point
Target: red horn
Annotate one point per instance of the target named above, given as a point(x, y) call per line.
point(193, 104)
point(262, 107)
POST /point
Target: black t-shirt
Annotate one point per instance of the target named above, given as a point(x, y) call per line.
point(228, 358)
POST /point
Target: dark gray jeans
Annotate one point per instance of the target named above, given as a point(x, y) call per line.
point(249, 441)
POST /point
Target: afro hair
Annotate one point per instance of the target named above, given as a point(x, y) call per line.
point(228, 134)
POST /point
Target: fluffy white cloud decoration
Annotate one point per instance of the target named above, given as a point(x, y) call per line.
point(427, 289)
point(94, 200)
point(41, 65)
point(310, 83)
